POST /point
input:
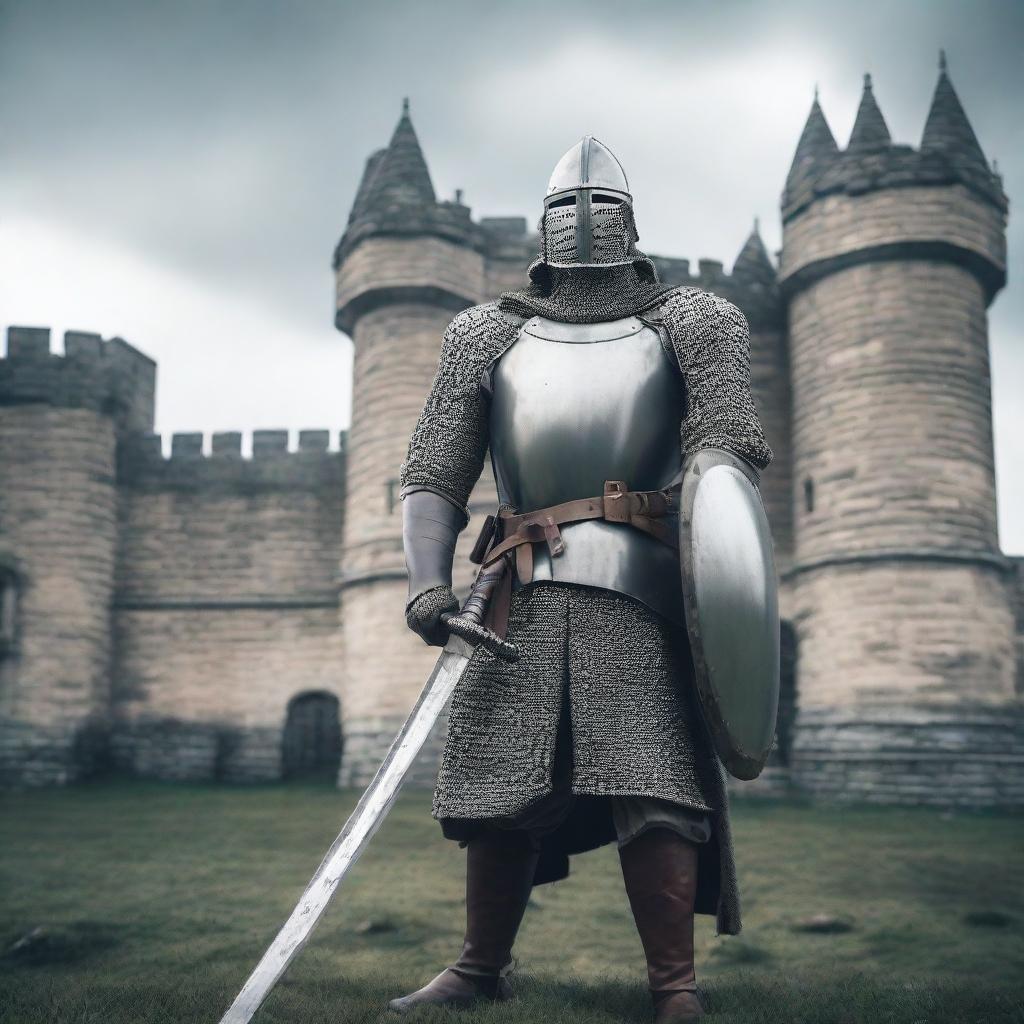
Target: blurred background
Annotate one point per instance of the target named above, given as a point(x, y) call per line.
point(205, 157)
point(231, 235)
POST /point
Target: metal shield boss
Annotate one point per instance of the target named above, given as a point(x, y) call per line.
point(730, 592)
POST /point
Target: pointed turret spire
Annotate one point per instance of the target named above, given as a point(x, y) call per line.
point(369, 173)
point(869, 128)
point(401, 174)
point(753, 261)
point(816, 144)
point(947, 128)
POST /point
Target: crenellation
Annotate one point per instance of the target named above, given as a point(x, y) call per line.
point(28, 342)
point(109, 377)
point(82, 345)
point(142, 465)
point(186, 446)
point(269, 443)
point(133, 376)
point(314, 440)
point(176, 609)
point(672, 270)
point(226, 444)
point(711, 272)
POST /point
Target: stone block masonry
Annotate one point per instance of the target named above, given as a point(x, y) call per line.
point(60, 420)
point(869, 365)
point(203, 616)
point(901, 601)
point(155, 614)
point(226, 600)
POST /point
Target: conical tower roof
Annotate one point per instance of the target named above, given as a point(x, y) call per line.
point(373, 163)
point(753, 262)
point(400, 175)
point(817, 143)
point(947, 129)
point(870, 132)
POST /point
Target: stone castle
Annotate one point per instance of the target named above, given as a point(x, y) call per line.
point(214, 616)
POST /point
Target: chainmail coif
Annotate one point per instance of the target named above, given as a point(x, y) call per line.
point(587, 295)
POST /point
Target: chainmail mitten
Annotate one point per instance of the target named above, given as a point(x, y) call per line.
point(423, 614)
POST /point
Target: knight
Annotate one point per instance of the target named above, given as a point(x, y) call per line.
point(598, 392)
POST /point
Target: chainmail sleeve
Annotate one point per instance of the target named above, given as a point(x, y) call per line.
point(449, 442)
point(711, 340)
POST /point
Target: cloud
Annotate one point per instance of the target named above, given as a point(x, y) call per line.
point(179, 173)
point(222, 364)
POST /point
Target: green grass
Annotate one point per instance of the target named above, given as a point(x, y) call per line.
point(154, 902)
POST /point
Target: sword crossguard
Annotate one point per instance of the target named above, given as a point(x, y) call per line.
point(480, 636)
point(468, 623)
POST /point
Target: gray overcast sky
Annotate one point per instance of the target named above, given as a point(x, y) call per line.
point(178, 173)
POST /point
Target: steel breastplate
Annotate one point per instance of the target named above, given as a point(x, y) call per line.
point(574, 405)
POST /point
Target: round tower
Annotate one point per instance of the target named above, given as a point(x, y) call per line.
point(60, 418)
point(404, 267)
point(753, 286)
point(904, 623)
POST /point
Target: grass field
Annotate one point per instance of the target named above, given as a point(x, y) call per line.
point(153, 903)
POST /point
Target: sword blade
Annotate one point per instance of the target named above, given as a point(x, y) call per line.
point(364, 821)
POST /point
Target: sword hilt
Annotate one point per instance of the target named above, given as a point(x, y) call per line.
point(468, 623)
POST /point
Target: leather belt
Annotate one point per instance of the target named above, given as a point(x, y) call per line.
point(644, 510)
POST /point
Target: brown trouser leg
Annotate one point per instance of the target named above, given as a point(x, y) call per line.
point(659, 868)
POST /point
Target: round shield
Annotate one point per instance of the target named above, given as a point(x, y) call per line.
point(730, 591)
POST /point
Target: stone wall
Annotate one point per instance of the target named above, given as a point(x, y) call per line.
point(769, 374)
point(1017, 597)
point(892, 420)
point(59, 419)
point(226, 601)
point(898, 592)
point(385, 270)
point(915, 755)
point(58, 526)
point(894, 633)
point(950, 221)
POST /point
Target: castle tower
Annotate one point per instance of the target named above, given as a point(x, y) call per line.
point(890, 259)
point(404, 266)
point(754, 288)
point(60, 420)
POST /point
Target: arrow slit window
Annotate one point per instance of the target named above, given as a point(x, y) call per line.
point(8, 611)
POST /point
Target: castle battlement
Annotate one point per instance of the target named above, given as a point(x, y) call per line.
point(314, 465)
point(109, 377)
point(234, 608)
point(751, 284)
point(877, 200)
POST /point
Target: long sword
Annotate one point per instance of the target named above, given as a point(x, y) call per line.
point(466, 631)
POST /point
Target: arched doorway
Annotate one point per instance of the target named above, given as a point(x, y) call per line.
point(787, 692)
point(312, 737)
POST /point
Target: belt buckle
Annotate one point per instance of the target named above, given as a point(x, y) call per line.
point(616, 501)
point(556, 546)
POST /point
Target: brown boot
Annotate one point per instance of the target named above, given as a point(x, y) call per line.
point(659, 868)
point(499, 878)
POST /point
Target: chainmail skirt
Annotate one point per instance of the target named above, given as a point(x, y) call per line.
point(615, 678)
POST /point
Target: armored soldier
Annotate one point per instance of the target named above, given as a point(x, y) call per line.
point(596, 390)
